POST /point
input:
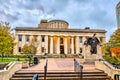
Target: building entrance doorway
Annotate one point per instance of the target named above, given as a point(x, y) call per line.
point(61, 49)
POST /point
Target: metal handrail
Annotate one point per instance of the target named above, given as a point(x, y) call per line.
point(45, 69)
point(78, 68)
point(117, 77)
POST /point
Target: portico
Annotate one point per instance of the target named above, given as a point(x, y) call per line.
point(58, 45)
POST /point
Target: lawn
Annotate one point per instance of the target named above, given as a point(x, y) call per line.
point(11, 59)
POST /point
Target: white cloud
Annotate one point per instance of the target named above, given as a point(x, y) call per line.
point(98, 14)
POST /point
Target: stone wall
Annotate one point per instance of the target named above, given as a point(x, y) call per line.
point(107, 68)
point(6, 74)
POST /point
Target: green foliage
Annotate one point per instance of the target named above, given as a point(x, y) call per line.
point(113, 42)
point(112, 60)
point(6, 40)
point(29, 49)
point(115, 39)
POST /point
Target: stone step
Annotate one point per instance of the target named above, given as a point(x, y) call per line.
point(55, 75)
point(61, 76)
point(59, 72)
point(65, 78)
point(78, 78)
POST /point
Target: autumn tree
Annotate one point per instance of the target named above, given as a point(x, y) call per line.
point(115, 38)
point(6, 40)
point(29, 49)
point(104, 51)
point(113, 42)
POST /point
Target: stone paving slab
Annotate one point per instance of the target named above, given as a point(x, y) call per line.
point(59, 64)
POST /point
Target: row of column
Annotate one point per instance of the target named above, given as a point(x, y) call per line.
point(57, 25)
point(76, 45)
point(45, 44)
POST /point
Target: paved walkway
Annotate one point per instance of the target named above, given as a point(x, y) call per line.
point(59, 64)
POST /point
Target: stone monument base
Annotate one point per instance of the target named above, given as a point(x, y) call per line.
point(91, 58)
point(89, 61)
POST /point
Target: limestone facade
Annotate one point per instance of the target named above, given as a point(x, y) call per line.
point(54, 37)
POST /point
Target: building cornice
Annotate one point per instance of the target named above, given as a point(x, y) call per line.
point(60, 30)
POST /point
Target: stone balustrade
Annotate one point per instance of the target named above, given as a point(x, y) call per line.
point(107, 68)
point(7, 73)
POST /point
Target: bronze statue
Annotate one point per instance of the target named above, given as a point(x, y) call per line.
point(93, 42)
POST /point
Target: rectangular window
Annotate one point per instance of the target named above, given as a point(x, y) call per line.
point(80, 50)
point(20, 37)
point(42, 49)
point(61, 40)
point(27, 38)
point(19, 49)
point(101, 39)
point(43, 38)
point(35, 38)
point(80, 39)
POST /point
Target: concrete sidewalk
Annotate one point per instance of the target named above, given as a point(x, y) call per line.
point(59, 64)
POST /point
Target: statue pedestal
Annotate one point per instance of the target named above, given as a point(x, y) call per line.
point(91, 58)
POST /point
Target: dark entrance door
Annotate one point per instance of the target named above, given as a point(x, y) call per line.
point(61, 49)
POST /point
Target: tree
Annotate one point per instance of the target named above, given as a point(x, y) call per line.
point(6, 40)
point(115, 38)
point(113, 42)
point(29, 49)
point(104, 51)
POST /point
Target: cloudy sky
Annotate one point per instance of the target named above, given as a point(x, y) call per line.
point(96, 14)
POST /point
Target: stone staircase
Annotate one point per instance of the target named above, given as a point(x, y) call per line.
point(87, 75)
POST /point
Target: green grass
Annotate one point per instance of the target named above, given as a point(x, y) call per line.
point(11, 59)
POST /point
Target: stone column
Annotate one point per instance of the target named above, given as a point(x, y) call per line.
point(31, 39)
point(65, 45)
point(72, 45)
point(23, 40)
point(51, 44)
point(99, 53)
point(46, 43)
point(104, 40)
point(39, 45)
point(15, 51)
point(77, 45)
point(84, 47)
point(58, 45)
